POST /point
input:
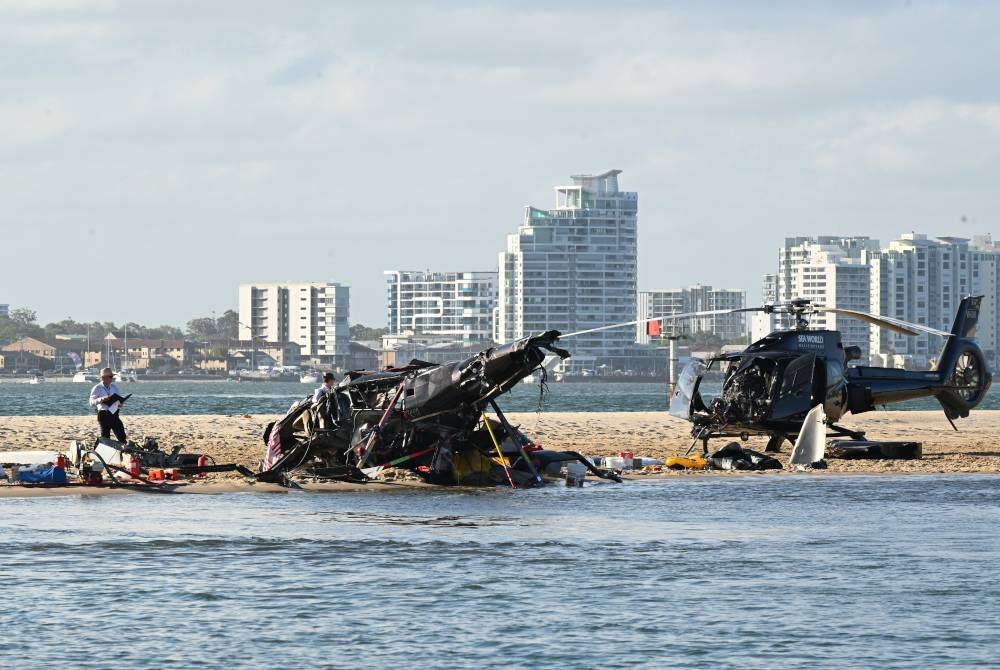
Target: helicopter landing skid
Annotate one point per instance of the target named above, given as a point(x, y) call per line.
point(708, 432)
point(840, 431)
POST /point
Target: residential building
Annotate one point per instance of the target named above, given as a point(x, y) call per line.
point(922, 281)
point(41, 353)
point(143, 354)
point(313, 315)
point(363, 357)
point(769, 289)
point(284, 354)
point(915, 278)
point(574, 267)
point(831, 271)
point(697, 298)
point(458, 305)
point(800, 250)
point(762, 324)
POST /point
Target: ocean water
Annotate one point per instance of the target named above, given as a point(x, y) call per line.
point(217, 397)
point(761, 571)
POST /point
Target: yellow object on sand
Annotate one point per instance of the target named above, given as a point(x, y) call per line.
point(472, 468)
point(695, 462)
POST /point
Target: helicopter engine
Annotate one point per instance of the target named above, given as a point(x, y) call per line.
point(747, 393)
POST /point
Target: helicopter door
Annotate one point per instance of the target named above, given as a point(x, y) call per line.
point(686, 399)
point(795, 394)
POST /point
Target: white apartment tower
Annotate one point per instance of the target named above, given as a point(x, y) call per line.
point(798, 251)
point(573, 267)
point(314, 315)
point(697, 298)
point(457, 305)
point(922, 280)
point(829, 271)
point(915, 279)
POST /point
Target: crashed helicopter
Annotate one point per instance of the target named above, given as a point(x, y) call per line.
point(428, 418)
point(798, 382)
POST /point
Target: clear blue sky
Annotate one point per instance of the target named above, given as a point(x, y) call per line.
point(178, 149)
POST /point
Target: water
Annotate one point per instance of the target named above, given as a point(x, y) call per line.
point(703, 572)
point(176, 397)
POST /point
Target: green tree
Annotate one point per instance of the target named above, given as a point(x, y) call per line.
point(202, 329)
point(228, 325)
point(24, 317)
point(360, 332)
point(165, 332)
point(8, 330)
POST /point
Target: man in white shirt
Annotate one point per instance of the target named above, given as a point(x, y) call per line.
point(330, 410)
point(107, 411)
point(325, 388)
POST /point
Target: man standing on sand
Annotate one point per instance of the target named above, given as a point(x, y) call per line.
point(107, 412)
point(325, 389)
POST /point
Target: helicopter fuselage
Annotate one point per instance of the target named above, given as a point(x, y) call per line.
point(771, 385)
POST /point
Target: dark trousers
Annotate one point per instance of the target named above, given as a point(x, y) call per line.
point(110, 421)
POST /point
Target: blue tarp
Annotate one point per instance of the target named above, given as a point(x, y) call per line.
point(46, 474)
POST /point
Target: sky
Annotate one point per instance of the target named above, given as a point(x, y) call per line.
point(155, 155)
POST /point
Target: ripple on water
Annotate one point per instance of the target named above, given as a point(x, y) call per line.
point(730, 573)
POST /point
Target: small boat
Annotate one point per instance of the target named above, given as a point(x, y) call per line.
point(126, 375)
point(85, 376)
point(35, 379)
point(309, 378)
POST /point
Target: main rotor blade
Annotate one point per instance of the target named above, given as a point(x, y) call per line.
point(671, 317)
point(887, 322)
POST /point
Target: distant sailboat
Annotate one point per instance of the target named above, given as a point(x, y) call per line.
point(125, 374)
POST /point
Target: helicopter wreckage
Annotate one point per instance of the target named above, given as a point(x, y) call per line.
point(430, 419)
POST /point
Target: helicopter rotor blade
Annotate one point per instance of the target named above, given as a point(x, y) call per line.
point(887, 322)
point(665, 317)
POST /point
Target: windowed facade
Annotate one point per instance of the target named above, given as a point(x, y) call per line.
point(313, 315)
point(458, 305)
point(573, 267)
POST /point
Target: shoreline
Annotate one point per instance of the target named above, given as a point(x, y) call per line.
point(238, 439)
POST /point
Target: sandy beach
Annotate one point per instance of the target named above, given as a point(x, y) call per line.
point(237, 439)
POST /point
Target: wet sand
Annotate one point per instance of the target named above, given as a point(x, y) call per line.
point(237, 439)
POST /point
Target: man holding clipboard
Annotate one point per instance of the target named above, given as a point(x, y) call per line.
point(104, 397)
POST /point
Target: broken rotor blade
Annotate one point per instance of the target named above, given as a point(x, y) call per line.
point(810, 445)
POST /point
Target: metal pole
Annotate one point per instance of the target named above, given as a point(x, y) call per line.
point(672, 375)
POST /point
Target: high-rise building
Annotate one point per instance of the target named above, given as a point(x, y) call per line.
point(762, 324)
point(314, 315)
point(574, 267)
point(769, 289)
point(922, 281)
point(799, 250)
point(697, 298)
point(915, 279)
point(4, 310)
point(829, 271)
point(457, 305)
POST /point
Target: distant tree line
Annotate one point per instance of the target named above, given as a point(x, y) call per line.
point(23, 322)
